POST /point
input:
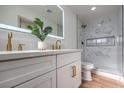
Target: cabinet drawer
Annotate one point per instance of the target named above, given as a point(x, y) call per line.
point(15, 72)
point(45, 81)
point(64, 59)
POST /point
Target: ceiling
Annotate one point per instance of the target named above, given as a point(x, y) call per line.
point(84, 12)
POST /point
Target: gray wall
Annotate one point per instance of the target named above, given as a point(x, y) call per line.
point(30, 41)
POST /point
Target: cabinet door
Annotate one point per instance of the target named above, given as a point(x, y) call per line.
point(69, 75)
point(45, 81)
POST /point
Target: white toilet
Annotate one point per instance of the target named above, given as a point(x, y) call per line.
point(86, 71)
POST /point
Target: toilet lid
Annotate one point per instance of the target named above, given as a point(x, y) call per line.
point(87, 64)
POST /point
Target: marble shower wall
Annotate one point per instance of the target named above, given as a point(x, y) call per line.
point(105, 58)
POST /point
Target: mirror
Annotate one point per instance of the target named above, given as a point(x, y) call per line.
point(17, 17)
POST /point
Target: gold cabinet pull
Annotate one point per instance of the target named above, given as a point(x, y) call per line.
point(73, 71)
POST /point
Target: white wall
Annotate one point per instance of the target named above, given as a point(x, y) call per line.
point(30, 41)
point(70, 40)
point(105, 58)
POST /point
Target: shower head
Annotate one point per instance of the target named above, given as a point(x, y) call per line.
point(84, 26)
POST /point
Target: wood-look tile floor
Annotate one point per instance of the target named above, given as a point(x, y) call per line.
point(101, 82)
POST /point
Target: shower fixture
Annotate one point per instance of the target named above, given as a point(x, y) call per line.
point(84, 26)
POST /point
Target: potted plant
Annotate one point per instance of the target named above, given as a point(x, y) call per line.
point(40, 32)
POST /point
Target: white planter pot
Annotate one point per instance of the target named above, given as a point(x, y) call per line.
point(41, 45)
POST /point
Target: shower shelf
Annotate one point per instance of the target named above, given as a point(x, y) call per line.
point(101, 41)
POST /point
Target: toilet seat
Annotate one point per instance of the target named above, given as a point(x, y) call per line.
point(87, 65)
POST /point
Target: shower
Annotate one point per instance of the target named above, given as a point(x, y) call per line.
point(100, 38)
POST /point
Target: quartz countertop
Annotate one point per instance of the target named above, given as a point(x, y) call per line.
point(11, 55)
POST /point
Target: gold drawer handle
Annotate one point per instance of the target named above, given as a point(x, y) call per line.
point(73, 71)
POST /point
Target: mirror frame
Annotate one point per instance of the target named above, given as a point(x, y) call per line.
point(17, 29)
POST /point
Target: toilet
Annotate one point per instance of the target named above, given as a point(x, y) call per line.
point(86, 70)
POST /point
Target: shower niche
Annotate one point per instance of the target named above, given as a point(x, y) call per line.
point(101, 41)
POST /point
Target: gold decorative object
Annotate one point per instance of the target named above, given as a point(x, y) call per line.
point(9, 44)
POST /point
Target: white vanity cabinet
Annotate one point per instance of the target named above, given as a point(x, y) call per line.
point(54, 69)
point(69, 70)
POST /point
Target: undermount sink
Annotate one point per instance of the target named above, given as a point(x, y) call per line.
point(8, 55)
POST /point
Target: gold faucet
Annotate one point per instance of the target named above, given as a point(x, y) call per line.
point(9, 44)
point(57, 45)
point(20, 47)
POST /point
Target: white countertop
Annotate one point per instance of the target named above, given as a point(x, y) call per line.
point(9, 55)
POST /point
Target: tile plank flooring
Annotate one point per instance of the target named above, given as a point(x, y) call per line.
point(101, 82)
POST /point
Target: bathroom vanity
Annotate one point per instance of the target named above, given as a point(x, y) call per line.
point(41, 69)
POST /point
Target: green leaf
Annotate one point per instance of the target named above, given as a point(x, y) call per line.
point(36, 29)
point(47, 30)
point(37, 26)
point(38, 22)
point(30, 27)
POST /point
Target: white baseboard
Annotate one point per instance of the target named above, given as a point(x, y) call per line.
point(108, 75)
